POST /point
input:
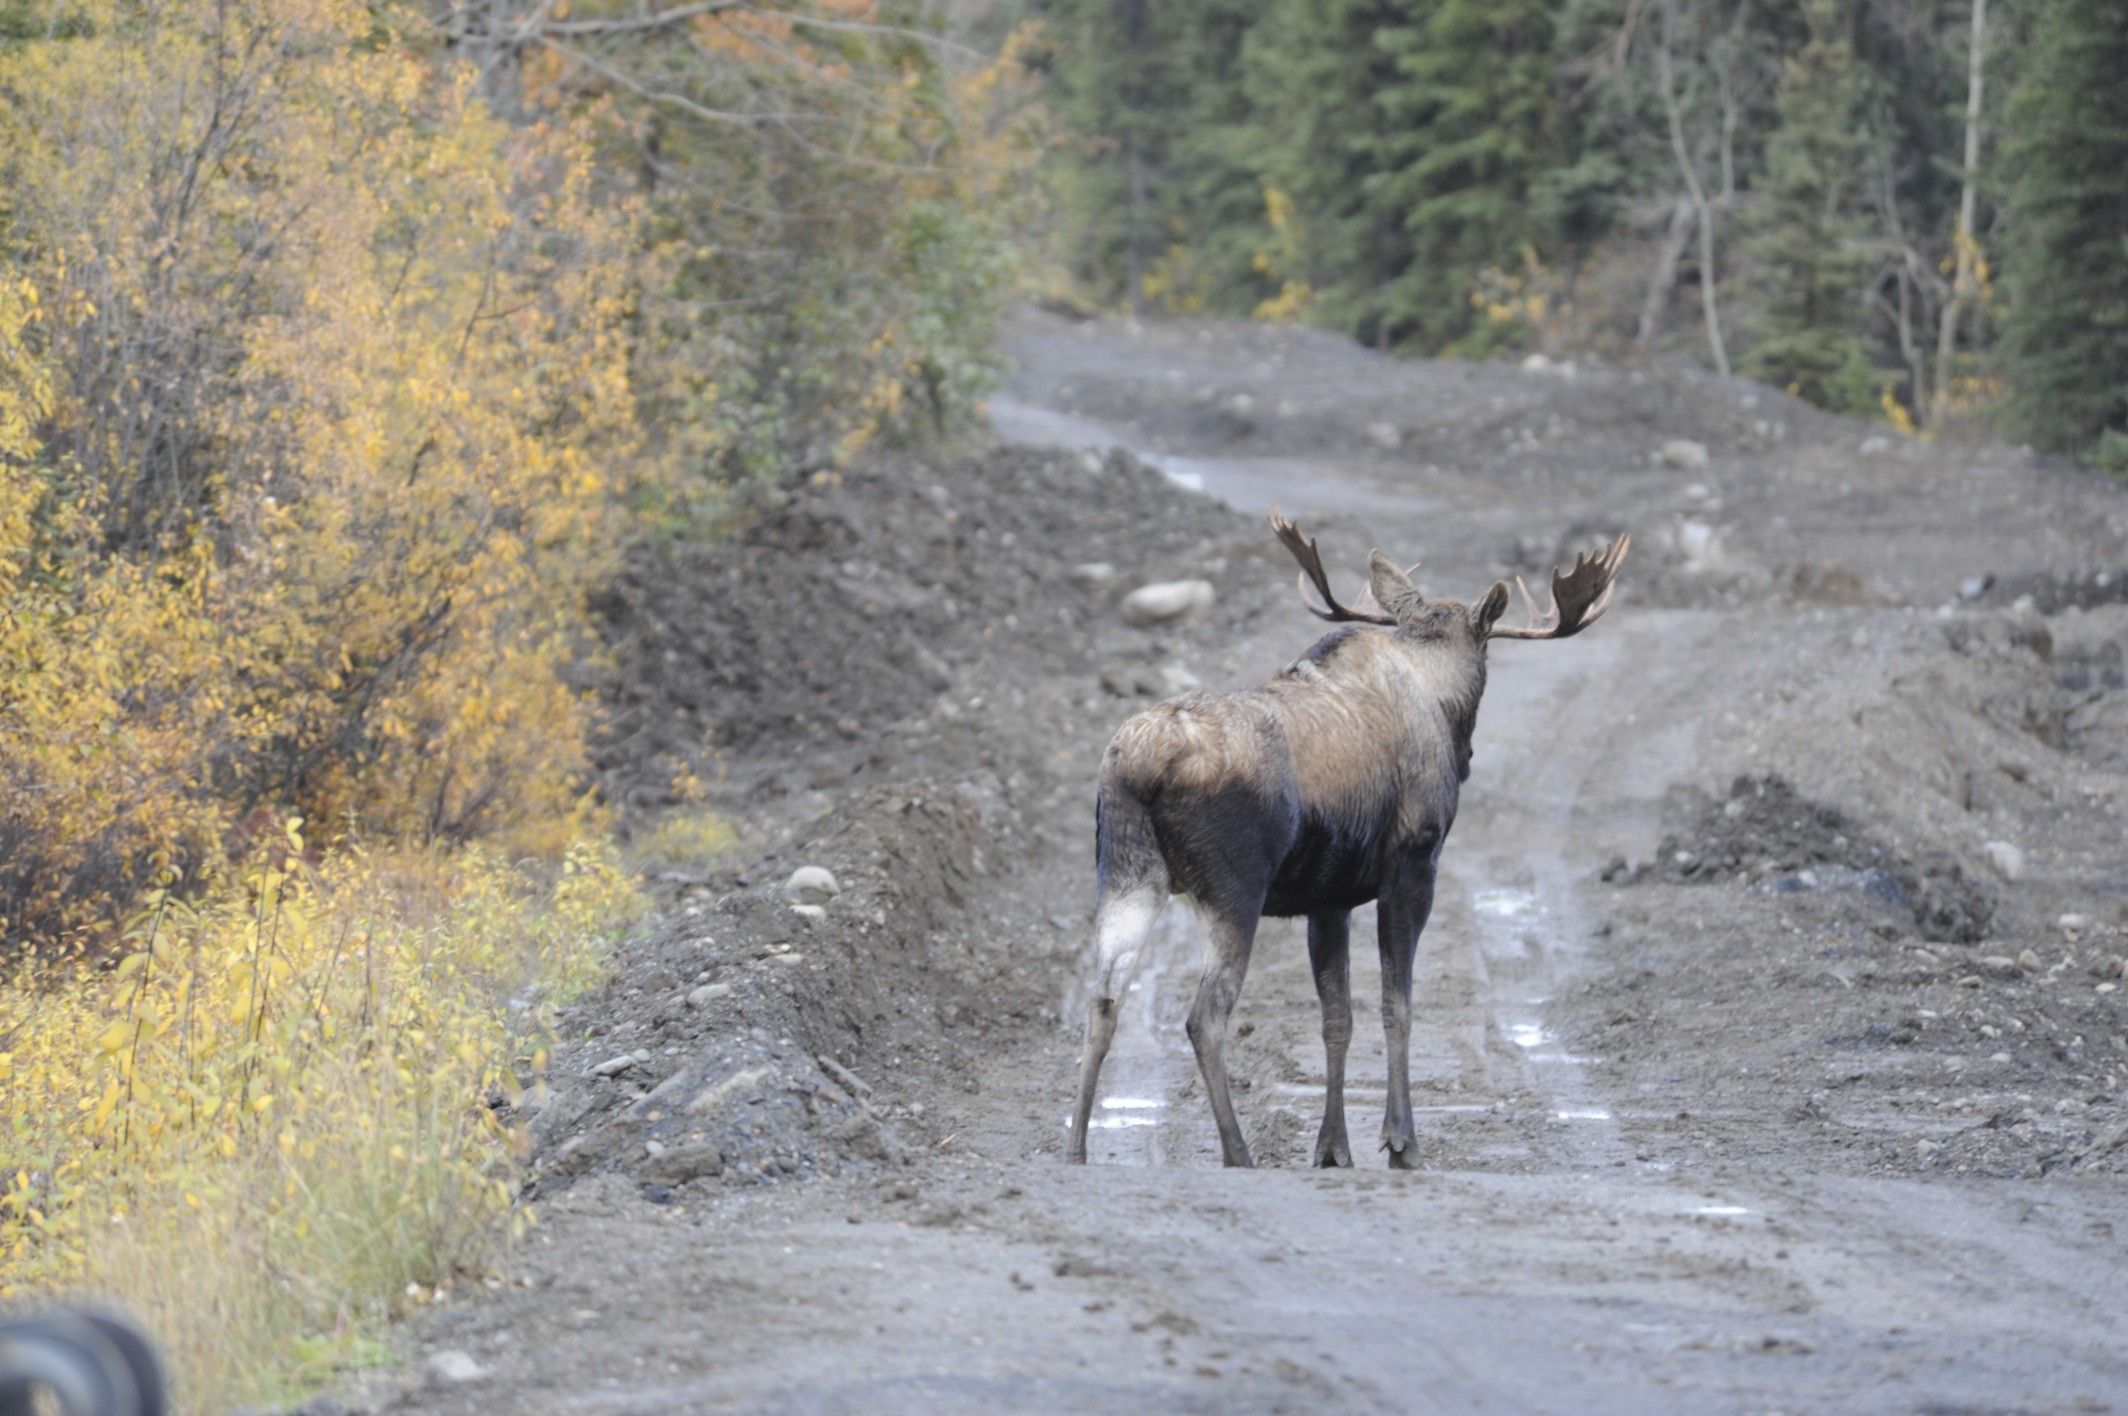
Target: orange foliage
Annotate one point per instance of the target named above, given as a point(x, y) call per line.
point(314, 382)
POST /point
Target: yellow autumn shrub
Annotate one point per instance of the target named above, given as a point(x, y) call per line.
point(314, 391)
point(266, 1128)
point(321, 384)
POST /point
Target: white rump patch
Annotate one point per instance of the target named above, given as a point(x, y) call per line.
point(1122, 924)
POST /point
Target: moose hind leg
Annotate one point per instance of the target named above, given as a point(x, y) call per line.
point(1401, 914)
point(1122, 923)
point(1226, 964)
point(1330, 957)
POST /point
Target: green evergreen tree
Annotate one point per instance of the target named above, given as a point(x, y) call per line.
point(1466, 130)
point(1806, 228)
point(1217, 156)
point(1120, 96)
point(2065, 253)
point(1312, 71)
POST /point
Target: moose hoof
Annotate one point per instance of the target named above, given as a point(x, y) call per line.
point(1405, 1159)
point(1333, 1155)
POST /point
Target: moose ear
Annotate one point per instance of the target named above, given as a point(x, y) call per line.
point(1391, 587)
point(1489, 609)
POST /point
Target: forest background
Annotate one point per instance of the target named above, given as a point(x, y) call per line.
point(348, 348)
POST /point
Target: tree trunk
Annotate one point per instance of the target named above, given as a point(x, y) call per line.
point(1136, 252)
point(1966, 280)
point(1716, 345)
point(1656, 308)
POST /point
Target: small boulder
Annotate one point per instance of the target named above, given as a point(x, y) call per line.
point(678, 1164)
point(1094, 575)
point(1685, 454)
point(707, 994)
point(2008, 860)
point(1175, 679)
point(811, 885)
point(614, 1066)
point(1385, 435)
point(454, 1368)
point(811, 914)
point(1165, 601)
point(1875, 446)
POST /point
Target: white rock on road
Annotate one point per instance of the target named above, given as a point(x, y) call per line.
point(453, 1367)
point(1165, 601)
point(1685, 454)
point(812, 885)
point(2009, 862)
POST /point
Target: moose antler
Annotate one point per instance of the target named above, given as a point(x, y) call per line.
point(1579, 596)
point(1315, 590)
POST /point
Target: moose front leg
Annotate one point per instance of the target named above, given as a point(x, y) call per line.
point(1401, 913)
point(1330, 956)
point(1226, 964)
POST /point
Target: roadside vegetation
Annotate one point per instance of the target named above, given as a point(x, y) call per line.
point(1818, 195)
point(345, 349)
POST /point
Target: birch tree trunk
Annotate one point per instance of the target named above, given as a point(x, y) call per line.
point(1717, 346)
point(1966, 280)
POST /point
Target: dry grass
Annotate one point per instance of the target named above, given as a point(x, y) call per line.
point(268, 1129)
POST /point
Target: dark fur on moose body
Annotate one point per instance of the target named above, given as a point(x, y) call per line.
point(1296, 795)
point(1333, 785)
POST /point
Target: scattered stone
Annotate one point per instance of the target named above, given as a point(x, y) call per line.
point(1973, 587)
point(1875, 446)
point(1385, 435)
point(453, 1367)
point(1165, 601)
point(2073, 924)
point(812, 885)
point(1175, 679)
point(792, 958)
point(680, 1164)
point(2008, 860)
point(653, 1149)
point(1999, 963)
point(1685, 454)
point(851, 1082)
point(811, 914)
point(2029, 961)
point(707, 994)
point(614, 1066)
point(714, 1096)
point(1926, 1148)
point(1094, 575)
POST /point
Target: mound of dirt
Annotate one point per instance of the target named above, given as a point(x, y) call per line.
point(855, 605)
point(896, 678)
point(1764, 834)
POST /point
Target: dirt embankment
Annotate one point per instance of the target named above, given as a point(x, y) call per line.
point(897, 679)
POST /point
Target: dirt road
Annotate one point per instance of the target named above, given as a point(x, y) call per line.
point(1770, 1041)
